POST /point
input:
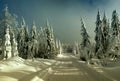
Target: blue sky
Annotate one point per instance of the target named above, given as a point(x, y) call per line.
point(63, 15)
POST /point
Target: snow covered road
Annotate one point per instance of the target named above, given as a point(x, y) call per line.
point(65, 67)
point(69, 68)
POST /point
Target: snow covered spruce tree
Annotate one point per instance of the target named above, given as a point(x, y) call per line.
point(98, 35)
point(115, 24)
point(23, 40)
point(8, 19)
point(50, 41)
point(42, 43)
point(105, 35)
point(34, 45)
point(115, 37)
point(85, 44)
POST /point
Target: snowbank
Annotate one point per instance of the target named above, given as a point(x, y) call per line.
point(16, 68)
point(36, 78)
point(10, 64)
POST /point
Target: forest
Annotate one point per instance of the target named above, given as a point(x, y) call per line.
point(17, 39)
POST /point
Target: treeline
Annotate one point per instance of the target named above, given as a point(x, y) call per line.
point(32, 43)
point(107, 42)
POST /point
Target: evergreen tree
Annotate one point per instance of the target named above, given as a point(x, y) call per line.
point(85, 36)
point(115, 42)
point(42, 43)
point(50, 41)
point(34, 41)
point(105, 33)
point(115, 24)
point(34, 31)
point(8, 19)
point(14, 47)
point(98, 34)
point(23, 40)
point(7, 45)
point(85, 44)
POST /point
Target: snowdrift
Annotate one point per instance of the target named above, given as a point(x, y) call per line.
point(16, 69)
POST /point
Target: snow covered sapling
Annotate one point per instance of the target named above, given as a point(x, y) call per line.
point(7, 45)
point(14, 47)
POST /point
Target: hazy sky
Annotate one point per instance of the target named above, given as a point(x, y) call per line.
point(63, 15)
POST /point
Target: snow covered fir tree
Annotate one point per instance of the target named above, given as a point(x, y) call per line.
point(85, 44)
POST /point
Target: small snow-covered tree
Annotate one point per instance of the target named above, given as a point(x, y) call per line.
point(60, 47)
point(14, 47)
point(7, 49)
point(76, 48)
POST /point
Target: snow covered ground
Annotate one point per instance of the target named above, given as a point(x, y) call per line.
point(111, 70)
point(18, 69)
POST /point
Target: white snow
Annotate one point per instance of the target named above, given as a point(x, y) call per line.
point(16, 68)
point(60, 55)
point(48, 63)
point(36, 78)
point(50, 70)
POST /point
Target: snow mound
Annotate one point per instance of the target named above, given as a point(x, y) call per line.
point(60, 55)
point(17, 59)
point(36, 78)
point(50, 70)
point(12, 63)
point(28, 69)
